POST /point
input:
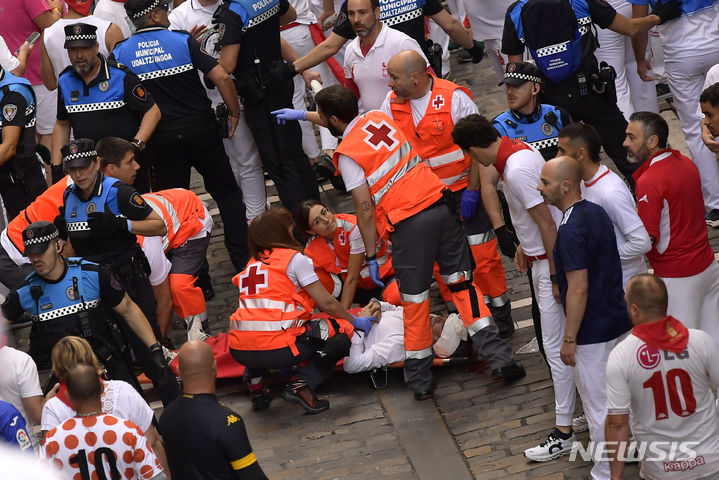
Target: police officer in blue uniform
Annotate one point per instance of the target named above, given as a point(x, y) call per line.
point(77, 297)
point(560, 37)
point(98, 98)
point(528, 120)
point(21, 177)
point(250, 49)
point(102, 215)
point(188, 135)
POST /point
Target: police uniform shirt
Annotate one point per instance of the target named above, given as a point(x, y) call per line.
point(180, 94)
point(602, 15)
point(17, 113)
point(204, 440)
point(97, 110)
point(261, 40)
point(585, 240)
point(544, 135)
point(397, 14)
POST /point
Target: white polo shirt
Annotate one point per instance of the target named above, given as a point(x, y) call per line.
point(461, 106)
point(370, 72)
point(611, 193)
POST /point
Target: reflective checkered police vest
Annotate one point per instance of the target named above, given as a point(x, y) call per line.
point(400, 11)
point(540, 134)
point(11, 83)
point(255, 12)
point(102, 96)
point(154, 53)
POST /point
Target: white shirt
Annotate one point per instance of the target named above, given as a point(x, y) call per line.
point(607, 190)
point(521, 177)
point(352, 174)
point(114, 12)
point(370, 72)
point(461, 106)
point(18, 380)
point(665, 414)
point(118, 399)
point(7, 59)
point(304, 14)
point(711, 78)
point(490, 24)
point(159, 264)
point(691, 35)
point(301, 271)
point(54, 39)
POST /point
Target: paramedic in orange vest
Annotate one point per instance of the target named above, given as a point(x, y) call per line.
point(176, 257)
point(14, 266)
point(337, 252)
point(426, 109)
point(396, 195)
point(272, 329)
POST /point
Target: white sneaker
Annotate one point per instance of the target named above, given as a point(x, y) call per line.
point(194, 328)
point(549, 449)
point(580, 424)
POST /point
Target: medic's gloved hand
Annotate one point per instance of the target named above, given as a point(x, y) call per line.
point(667, 10)
point(374, 272)
point(507, 240)
point(106, 223)
point(284, 114)
point(477, 51)
point(363, 323)
point(468, 204)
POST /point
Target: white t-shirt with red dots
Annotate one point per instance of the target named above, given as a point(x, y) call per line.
point(82, 446)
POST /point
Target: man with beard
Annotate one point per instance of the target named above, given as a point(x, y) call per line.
point(98, 98)
point(670, 203)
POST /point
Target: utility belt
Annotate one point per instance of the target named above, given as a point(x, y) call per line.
point(600, 82)
point(253, 84)
point(15, 170)
point(185, 123)
point(126, 265)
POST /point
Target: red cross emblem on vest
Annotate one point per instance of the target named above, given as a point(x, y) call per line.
point(253, 280)
point(438, 102)
point(379, 134)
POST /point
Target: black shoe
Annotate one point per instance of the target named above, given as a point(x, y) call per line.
point(260, 398)
point(297, 391)
point(509, 372)
point(206, 286)
point(323, 167)
point(464, 56)
point(338, 183)
point(454, 46)
point(712, 218)
point(427, 394)
point(506, 328)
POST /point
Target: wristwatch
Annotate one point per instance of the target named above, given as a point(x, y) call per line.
point(139, 144)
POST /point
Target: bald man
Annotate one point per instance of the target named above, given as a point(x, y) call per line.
point(205, 440)
point(662, 351)
point(589, 277)
point(426, 109)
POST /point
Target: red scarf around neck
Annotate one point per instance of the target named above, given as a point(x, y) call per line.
point(666, 334)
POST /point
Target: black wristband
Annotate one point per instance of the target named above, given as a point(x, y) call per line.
point(369, 258)
point(553, 277)
point(155, 346)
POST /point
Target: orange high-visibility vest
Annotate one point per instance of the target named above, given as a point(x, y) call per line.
point(401, 184)
point(334, 257)
point(432, 137)
point(45, 207)
point(181, 210)
point(271, 311)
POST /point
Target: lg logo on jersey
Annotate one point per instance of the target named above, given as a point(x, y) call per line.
point(649, 357)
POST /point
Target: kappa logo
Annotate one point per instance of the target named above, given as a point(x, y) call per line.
point(379, 134)
point(644, 199)
point(232, 419)
point(9, 111)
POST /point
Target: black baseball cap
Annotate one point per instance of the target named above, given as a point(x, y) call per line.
point(139, 8)
point(78, 153)
point(80, 35)
point(518, 73)
point(37, 237)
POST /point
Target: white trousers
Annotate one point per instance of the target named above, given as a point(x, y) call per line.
point(553, 321)
point(590, 375)
point(633, 94)
point(300, 39)
point(686, 76)
point(694, 300)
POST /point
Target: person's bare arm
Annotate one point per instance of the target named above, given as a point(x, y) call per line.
point(289, 55)
point(33, 408)
point(60, 136)
point(136, 320)
point(25, 50)
point(326, 302)
point(151, 226)
point(514, 58)
point(226, 87)
point(633, 26)
point(365, 218)
point(349, 288)
point(228, 57)
point(577, 290)
point(328, 8)
point(288, 17)
point(321, 52)
point(153, 438)
point(616, 432)
point(46, 19)
point(10, 140)
point(454, 28)
point(148, 124)
point(639, 44)
point(488, 179)
point(547, 229)
point(163, 298)
point(113, 36)
point(47, 72)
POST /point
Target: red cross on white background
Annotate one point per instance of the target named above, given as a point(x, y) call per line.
point(379, 134)
point(253, 280)
point(438, 102)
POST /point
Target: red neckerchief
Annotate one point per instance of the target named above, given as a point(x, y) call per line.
point(62, 395)
point(666, 334)
point(507, 147)
point(596, 179)
point(640, 171)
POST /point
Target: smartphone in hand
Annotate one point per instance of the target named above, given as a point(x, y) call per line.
point(31, 39)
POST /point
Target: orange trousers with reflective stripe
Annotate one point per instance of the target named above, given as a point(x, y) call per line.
point(488, 275)
point(187, 299)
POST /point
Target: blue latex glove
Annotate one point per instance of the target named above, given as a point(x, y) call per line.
point(374, 273)
point(363, 323)
point(468, 204)
point(284, 114)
